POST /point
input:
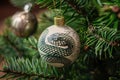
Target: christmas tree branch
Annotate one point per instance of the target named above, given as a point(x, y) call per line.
point(114, 43)
point(103, 40)
point(75, 6)
point(13, 46)
point(29, 75)
point(32, 43)
point(27, 68)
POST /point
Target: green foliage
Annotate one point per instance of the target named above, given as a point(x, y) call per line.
point(28, 69)
point(34, 68)
point(103, 39)
point(109, 19)
point(15, 46)
point(45, 21)
point(72, 9)
point(112, 2)
point(44, 2)
point(99, 36)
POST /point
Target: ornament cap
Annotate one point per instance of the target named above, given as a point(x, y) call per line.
point(28, 7)
point(59, 21)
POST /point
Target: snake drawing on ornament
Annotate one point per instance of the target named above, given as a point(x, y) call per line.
point(56, 47)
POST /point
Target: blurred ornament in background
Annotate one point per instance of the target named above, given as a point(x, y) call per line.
point(59, 45)
point(115, 8)
point(24, 23)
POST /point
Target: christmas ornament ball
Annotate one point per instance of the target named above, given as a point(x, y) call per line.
point(59, 45)
point(24, 23)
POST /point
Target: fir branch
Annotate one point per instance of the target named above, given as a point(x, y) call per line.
point(29, 75)
point(29, 68)
point(44, 3)
point(31, 43)
point(34, 48)
point(75, 6)
point(104, 40)
point(13, 46)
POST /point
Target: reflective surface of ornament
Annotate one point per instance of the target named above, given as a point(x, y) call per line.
point(24, 23)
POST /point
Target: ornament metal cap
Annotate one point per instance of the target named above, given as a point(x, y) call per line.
point(28, 7)
point(59, 21)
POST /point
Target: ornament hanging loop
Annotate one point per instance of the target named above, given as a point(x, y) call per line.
point(28, 7)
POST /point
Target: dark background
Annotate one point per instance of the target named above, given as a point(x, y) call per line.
point(6, 9)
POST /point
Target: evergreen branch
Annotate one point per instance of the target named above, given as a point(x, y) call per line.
point(18, 68)
point(13, 46)
point(31, 43)
point(109, 16)
point(109, 19)
point(21, 74)
point(18, 46)
point(75, 6)
point(45, 3)
point(103, 39)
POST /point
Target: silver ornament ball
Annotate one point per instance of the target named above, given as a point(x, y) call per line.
point(24, 23)
point(59, 45)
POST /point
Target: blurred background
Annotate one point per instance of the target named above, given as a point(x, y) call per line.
point(7, 9)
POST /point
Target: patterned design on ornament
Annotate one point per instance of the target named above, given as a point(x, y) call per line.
point(55, 47)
